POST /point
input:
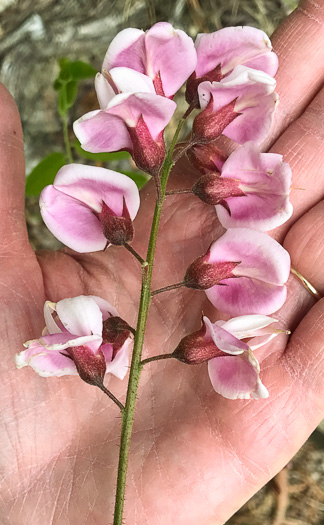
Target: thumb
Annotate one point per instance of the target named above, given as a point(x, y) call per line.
point(13, 232)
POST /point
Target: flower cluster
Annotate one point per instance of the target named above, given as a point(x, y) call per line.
point(229, 79)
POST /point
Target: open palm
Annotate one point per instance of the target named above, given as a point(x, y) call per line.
point(195, 457)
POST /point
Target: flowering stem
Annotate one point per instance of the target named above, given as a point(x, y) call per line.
point(156, 358)
point(167, 288)
point(134, 252)
point(181, 151)
point(112, 397)
point(136, 367)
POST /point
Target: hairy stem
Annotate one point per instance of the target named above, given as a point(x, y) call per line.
point(156, 358)
point(178, 192)
point(111, 396)
point(134, 252)
point(135, 370)
point(167, 288)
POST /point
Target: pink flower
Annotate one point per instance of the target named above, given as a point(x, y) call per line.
point(243, 272)
point(233, 369)
point(220, 52)
point(132, 122)
point(164, 54)
point(245, 101)
point(252, 190)
point(87, 207)
point(72, 342)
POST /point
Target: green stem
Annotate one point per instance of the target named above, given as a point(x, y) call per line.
point(136, 367)
point(68, 151)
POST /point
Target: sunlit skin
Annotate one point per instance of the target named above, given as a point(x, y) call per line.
point(195, 457)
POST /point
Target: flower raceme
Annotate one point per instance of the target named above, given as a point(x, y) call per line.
point(79, 338)
point(88, 207)
point(220, 52)
point(252, 190)
point(243, 272)
point(233, 369)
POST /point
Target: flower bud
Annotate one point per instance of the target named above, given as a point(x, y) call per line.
point(201, 275)
point(213, 189)
point(91, 367)
point(206, 158)
point(193, 82)
point(208, 125)
point(115, 331)
point(117, 230)
point(147, 153)
point(196, 348)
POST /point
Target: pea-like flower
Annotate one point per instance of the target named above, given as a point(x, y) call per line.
point(76, 340)
point(220, 52)
point(232, 366)
point(88, 207)
point(164, 54)
point(243, 272)
point(251, 190)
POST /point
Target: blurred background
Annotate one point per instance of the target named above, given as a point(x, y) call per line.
point(34, 35)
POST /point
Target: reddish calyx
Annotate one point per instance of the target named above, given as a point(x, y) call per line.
point(202, 275)
point(214, 189)
point(117, 230)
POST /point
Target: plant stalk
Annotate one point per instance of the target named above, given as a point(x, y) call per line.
point(136, 366)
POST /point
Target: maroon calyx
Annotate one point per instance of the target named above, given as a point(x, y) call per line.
point(213, 189)
point(202, 275)
point(210, 124)
point(215, 75)
point(117, 230)
point(91, 367)
point(147, 153)
point(115, 331)
point(196, 348)
point(206, 158)
point(157, 83)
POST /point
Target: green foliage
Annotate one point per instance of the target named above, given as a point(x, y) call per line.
point(139, 178)
point(67, 82)
point(44, 173)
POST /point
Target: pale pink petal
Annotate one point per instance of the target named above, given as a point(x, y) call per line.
point(127, 49)
point(247, 296)
point(232, 46)
point(260, 256)
point(130, 81)
point(66, 340)
point(246, 326)
point(171, 54)
point(256, 101)
point(106, 308)
point(72, 222)
point(92, 185)
point(232, 377)
point(99, 131)
point(265, 180)
point(46, 363)
point(156, 111)
point(257, 342)
point(80, 315)
point(120, 364)
point(104, 90)
point(224, 340)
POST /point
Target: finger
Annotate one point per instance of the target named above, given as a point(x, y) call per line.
point(299, 43)
point(13, 232)
point(304, 242)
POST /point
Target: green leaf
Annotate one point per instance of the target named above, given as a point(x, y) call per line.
point(100, 157)
point(71, 93)
point(65, 73)
point(62, 101)
point(139, 178)
point(80, 70)
point(44, 173)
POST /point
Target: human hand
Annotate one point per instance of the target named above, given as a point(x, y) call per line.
point(195, 457)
